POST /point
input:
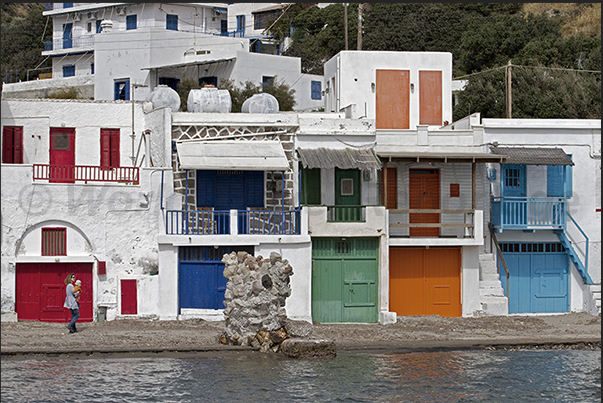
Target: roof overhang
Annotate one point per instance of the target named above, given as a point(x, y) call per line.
point(347, 158)
point(440, 157)
point(533, 155)
point(253, 155)
point(198, 62)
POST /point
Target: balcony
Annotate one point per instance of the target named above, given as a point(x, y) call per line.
point(338, 221)
point(233, 222)
point(85, 41)
point(528, 213)
point(83, 173)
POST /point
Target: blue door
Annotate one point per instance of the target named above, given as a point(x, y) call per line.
point(67, 35)
point(201, 281)
point(538, 277)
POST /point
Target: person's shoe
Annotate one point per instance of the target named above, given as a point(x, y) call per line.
point(71, 330)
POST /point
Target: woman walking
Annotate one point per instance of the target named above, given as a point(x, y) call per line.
point(71, 302)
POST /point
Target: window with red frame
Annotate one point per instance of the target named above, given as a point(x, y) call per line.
point(109, 148)
point(54, 241)
point(12, 144)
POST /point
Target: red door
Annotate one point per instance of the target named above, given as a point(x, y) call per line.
point(62, 155)
point(129, 300)
point(424, 194)
point(40, 291)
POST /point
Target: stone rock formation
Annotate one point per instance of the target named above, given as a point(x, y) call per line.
point(255, 300)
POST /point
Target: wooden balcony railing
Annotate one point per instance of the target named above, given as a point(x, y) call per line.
point(528, 213)
point(346, 213)
point(84, 173)
point(461, 221)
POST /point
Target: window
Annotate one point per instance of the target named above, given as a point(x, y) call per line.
point(455, 190)
point(267, 81)
point(99, 29)
point(12, 145)
point(122, 90)
point(91, 68)
point(69, 71)
point(261, 20)
point(109, 148)
point(54, 241)
point(310, 191)
point(88, 27)
point(131, 22)
point(67, 35)
point(316, 87)
point(171, 22)
point(241, 24)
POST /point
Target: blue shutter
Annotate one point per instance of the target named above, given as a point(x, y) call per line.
point(91, 68)
point(67, 35)
point(254, 188)
point(99, 29)
point(568, 180)
point(171, 22)
point(206, 184)
point(131, 22)
point(69, 71)
point(554, 181)
point(316, 90)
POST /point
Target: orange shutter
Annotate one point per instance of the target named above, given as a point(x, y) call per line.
point(430, 97)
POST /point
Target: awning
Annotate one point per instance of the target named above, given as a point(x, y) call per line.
point(394, 156)
point(533, 156)
point(253, 155)
point(220, 10)
point(347, 158)
point(198, 62)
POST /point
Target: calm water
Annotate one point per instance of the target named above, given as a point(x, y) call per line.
point(450, 376)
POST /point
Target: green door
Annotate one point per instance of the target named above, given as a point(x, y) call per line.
point(344, 280)
point(347, 195)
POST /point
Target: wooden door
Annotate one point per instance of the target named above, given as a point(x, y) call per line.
point(62, 155)
point(392, 99)
point(129, 297)
point(424, 193)
point(425, 281)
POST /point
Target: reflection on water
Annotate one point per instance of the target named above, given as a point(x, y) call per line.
point(451, 376)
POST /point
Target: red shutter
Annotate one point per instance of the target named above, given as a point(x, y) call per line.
point(7, 144)
point(105, 148)
point(18, 145)
point(115, 148)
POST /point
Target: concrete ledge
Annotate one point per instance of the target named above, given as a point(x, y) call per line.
point(9, 317)
point(303, 348)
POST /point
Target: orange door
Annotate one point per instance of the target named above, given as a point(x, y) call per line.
point(424, 193)
point(430, 97)
point(425, 281)
point(392, 99)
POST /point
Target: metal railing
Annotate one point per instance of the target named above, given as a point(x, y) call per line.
point(346, 214)
point(84, 173)
point(221, 222)
point(528, 212)
point(500, 255)
point(78, 42)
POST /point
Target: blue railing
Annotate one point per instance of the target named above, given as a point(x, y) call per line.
point(218, 222)
point(528, 212)
point(239, 33)
point(79, 42)
point(346, 214)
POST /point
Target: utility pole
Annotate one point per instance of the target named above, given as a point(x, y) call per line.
point(345, 23)
point(360, 9)
point(509, 92)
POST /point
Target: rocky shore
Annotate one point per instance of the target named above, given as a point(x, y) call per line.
point(573, 330)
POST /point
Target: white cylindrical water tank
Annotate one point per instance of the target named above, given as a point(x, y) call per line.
point(209, 99)
point(260, 103)
point(163, 95)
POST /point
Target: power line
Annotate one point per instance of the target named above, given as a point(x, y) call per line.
point(528, 67)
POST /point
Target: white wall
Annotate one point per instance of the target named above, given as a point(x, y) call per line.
point(354, 74)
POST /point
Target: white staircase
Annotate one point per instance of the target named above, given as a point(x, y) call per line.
point(491, 294)
point(595, 290)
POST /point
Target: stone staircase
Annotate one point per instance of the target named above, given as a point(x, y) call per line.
point(491, 294)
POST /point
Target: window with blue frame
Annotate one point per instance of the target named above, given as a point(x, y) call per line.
point(122, 90)
point(131, 22)
point(241, 24)
point(69, 71)
point(268, 81)
point(559, 180)
point(209, 80)
point(316, 88)
point(513, 179)
point(171, 22)
point(170, 82)
point(91, 68)
point(99, 29)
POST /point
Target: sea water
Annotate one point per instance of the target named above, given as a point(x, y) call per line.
point(433, 376)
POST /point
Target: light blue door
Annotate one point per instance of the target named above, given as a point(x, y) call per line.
point(538, 277)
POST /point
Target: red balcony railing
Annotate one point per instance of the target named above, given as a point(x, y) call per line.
point(83, 173)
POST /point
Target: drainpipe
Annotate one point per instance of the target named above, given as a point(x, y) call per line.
point(133, 135)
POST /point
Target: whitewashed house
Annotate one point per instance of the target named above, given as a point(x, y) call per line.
point(112, 51)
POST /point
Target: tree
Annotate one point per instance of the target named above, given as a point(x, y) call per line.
point(22, 30)
point(281, 91)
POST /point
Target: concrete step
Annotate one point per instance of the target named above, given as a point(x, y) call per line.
point(493, 306)
point(490, 277)
point(491, 292)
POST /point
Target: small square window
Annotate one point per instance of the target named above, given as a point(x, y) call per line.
point(347, 187)
point(455, 190)
point(54, 241)
point(69, 71)
point(131, 22)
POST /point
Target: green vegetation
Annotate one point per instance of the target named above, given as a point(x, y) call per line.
point(65, 93)
point(281, 91)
